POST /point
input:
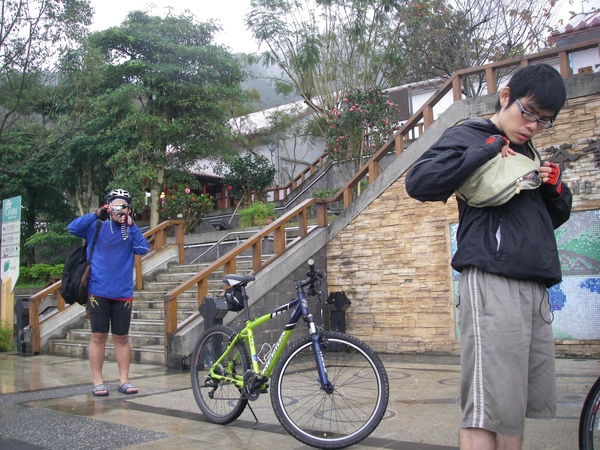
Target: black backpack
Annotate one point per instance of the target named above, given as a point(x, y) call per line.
point(76, 273)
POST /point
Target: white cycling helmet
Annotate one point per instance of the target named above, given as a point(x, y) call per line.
point(118, 194)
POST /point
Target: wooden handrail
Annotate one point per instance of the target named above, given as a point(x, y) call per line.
point(156, 237)
point(227, 261)
point(279, 192)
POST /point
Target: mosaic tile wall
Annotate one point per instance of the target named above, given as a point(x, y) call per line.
point(575, 302)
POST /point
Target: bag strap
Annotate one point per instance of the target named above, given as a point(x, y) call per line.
point(98, 223)
point(533, 152)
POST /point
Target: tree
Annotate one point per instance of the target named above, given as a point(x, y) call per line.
point(33, 33)
point(94, 111)
point(179, 83)
point(440, 37)
point(326, 47)
point(246, 175)
point(362, 124)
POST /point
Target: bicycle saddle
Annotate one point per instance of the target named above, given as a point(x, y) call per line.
point(236, 280)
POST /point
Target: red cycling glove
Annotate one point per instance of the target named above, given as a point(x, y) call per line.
point(555, 178)
point(494, 137)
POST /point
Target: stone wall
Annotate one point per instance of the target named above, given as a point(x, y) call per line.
point(393, 260)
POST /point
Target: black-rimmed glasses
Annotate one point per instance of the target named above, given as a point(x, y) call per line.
point(531, 118)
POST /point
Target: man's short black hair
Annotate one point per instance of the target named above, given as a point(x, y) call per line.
point(541, 83)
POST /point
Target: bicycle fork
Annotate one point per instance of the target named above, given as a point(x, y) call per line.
point(319, 339)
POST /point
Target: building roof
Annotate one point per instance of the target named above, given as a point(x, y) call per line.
point(261, 121)
point(579, 24)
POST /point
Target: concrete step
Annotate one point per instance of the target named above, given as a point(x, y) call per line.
point(165, 286)
point(242, 265)
point(136, 339)
point(146, 326)
point(157, 304)
point(159, 314)
point(159, 295)
point(147, 355)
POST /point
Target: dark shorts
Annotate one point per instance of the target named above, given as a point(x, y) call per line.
point(107, 314)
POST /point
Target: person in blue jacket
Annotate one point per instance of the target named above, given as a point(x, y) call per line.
point(507, 256)
point(110, 285)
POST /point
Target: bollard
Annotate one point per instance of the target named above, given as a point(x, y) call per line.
point(213, 310)
point(338, 303)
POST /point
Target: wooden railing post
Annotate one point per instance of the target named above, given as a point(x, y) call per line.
point(322, 215)
point(137, 266)
point(179, 240)
point(34, 323)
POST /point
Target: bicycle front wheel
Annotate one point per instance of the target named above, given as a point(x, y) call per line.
point(219, 400)
point(339, 418)
point(589, 422)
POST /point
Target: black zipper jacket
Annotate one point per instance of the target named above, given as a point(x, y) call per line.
point(516, 239)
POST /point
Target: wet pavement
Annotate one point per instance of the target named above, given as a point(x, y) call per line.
point(46, 403)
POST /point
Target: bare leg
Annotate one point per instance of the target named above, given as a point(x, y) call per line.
point(123, 356)
point(96, 353)
point(479, 439)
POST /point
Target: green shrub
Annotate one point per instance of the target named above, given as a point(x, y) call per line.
point(39, 273)
point(7, 343)
point(256, 214)
point(325, 193)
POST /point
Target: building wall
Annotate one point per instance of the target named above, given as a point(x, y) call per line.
point(393, 260)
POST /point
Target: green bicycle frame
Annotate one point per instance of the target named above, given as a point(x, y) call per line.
point(247, 336)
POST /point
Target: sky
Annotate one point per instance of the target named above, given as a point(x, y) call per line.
point(230, 14)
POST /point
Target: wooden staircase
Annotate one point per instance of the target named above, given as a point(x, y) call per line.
point(146, 335)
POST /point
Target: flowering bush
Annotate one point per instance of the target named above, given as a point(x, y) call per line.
point(362, 124)
point(186, 205)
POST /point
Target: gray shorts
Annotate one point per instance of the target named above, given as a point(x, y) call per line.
point(507, 352)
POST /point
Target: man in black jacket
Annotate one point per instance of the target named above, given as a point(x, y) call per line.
point(507, 256)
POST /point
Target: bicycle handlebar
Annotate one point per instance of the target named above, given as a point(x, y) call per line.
point(313, 275)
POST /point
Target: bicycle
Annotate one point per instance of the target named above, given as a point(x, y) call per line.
point(328, 389)
point(589, 422)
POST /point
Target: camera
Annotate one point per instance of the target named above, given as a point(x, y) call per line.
point(118, 209)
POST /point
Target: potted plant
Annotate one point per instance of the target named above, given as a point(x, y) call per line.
point(257, 214)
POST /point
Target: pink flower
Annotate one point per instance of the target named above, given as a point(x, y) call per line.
point(187, 190)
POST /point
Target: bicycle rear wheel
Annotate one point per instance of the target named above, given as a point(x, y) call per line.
point(589, 422)
point(221, 402)
point(338, 419)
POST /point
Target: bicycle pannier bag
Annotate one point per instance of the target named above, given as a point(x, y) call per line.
point(233, 297)
point(499, 179)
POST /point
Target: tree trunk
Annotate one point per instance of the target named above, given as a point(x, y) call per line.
point(84, 198)
point(155, 191)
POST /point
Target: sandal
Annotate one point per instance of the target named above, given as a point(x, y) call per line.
point(127, 388)
point(100, 391)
